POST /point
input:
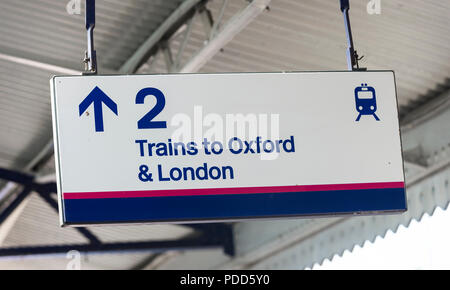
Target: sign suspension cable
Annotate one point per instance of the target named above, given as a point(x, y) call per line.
point(352, 55)
point(90, 57)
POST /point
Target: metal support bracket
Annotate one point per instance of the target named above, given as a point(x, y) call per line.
point(352, 55)
point(90, 58)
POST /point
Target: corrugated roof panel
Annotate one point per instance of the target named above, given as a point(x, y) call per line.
point(44, 27)
point(412, 38)
point(39, 225)
point(25, 118)
point(44, 30)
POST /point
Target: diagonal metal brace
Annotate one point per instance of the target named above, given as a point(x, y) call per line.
point(214, 234)
point(44, 191)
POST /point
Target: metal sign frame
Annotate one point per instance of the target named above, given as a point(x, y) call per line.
point(204, 204)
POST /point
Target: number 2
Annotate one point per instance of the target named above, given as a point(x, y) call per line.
point(146, 121)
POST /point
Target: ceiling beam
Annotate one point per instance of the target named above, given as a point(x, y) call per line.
point(39, 64)
point(223, 37)
point(144, 51)
point(196, 243)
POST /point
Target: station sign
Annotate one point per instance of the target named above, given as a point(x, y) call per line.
point(220, 147)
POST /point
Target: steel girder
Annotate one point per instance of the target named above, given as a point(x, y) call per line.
point(208, 235)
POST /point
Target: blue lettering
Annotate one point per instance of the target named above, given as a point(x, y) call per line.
point(203, 172)
point(160, 176)
point(141, 146)
point(248, 148)
point(231, 143)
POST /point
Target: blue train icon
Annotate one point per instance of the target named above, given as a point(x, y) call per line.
point(365, 101)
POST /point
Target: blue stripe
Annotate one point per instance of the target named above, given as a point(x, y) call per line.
point(217, 207)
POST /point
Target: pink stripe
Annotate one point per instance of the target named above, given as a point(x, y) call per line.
point(231, 190)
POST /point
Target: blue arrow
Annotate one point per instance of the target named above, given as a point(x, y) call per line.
point(97, 96)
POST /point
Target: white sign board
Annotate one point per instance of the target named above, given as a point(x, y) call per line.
point(202, 147)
